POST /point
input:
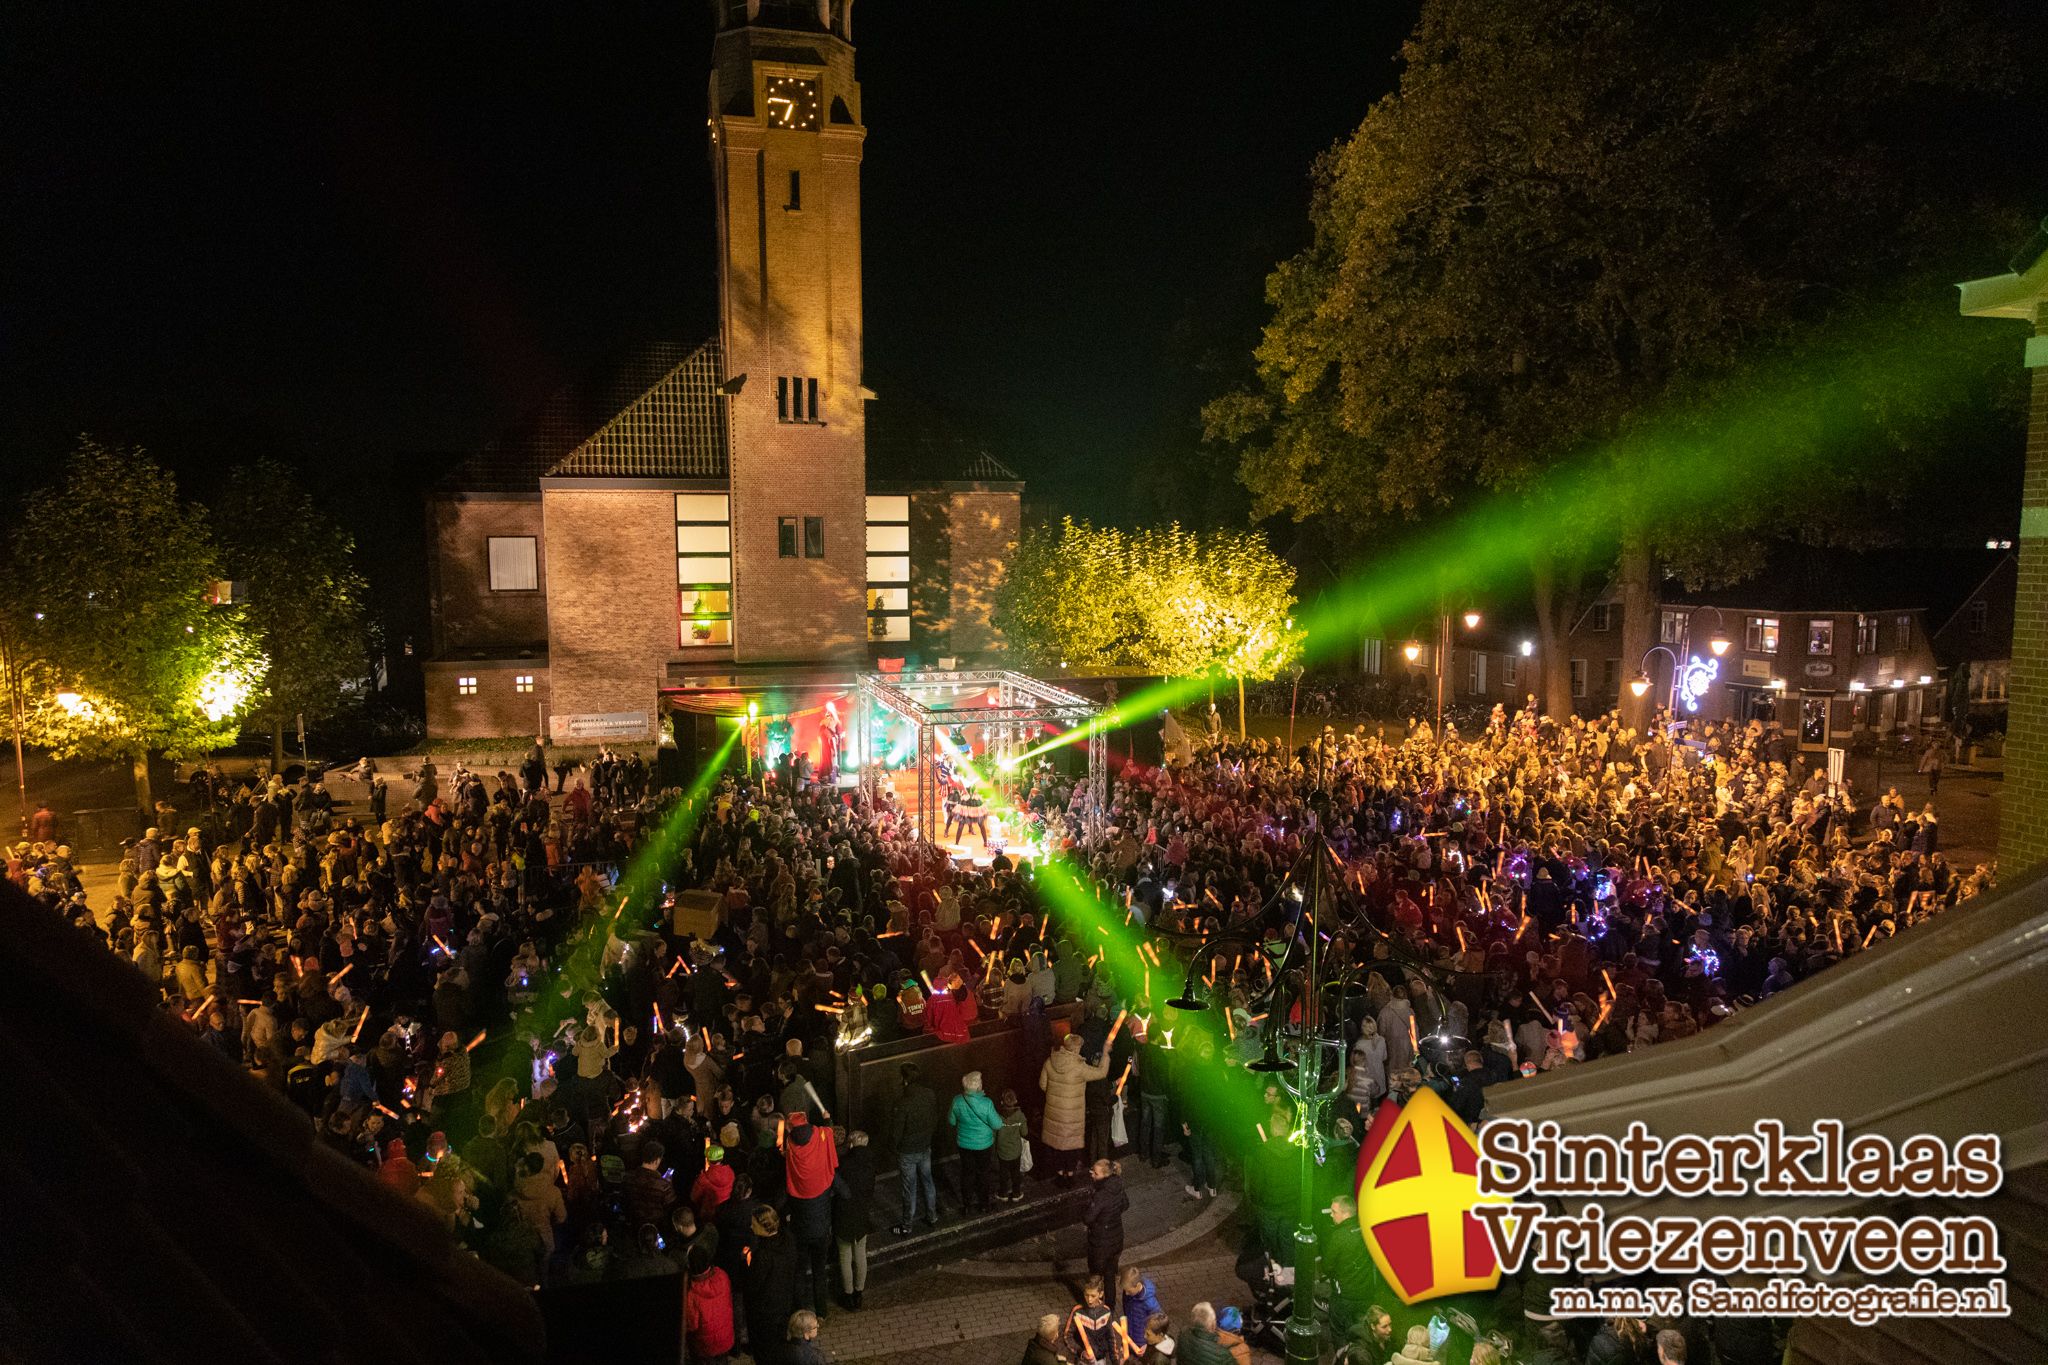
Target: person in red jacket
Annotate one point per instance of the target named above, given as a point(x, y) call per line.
point(714, 1186)
point(950, 1012)
point(707, 1310)
point(398, 1171)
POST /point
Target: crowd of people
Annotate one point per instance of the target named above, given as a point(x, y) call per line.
point(455, 993)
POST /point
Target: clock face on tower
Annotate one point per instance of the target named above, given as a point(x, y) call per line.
point(793, 102)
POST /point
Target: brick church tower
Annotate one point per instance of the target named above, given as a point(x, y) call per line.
point(785, 145)
point(692, 524)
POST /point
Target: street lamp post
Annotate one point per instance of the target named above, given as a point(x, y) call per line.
point(1717, 644)
point(1413, 651)
point(1303, 1044)
point(17, 710)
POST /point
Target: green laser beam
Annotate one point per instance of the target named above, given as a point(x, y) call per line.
point(1646, 480)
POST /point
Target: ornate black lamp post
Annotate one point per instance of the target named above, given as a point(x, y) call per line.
point(1305, 1053)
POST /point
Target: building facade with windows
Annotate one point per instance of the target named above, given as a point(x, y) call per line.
point(733, 513)
point(1824, 674)
point(1975, 645)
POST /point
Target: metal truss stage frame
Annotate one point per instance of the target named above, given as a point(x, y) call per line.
point(1021, 704)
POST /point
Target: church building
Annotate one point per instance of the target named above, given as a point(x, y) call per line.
point(735, 519)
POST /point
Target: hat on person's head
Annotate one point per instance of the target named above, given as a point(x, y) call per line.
point(799, 1119)
point(1229, 1319)
point(714, 1153)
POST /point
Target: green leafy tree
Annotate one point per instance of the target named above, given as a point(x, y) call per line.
point(305, 595)
point(1157, 600)
point(109, 613)
point(1577, 217)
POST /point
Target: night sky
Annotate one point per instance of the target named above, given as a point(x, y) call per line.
point(362, 238)
point(346, 240)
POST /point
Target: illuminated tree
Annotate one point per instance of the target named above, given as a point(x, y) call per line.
point(1576, 217)
point(1163, 600)
point(304, 595)
point(109, 604)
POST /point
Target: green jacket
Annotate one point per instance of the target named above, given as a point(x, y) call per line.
point(974, 1121)
point(1010, 1137)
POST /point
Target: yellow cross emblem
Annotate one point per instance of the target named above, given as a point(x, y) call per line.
point(1415, 1197)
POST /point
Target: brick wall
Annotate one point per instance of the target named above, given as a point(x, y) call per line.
point(790, 292)
point(464, 612)
point(496, 708)
point(984, 540)
point(2023, 814)
point(612, 614)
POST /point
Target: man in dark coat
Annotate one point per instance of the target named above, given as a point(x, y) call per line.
point(1105, 1219)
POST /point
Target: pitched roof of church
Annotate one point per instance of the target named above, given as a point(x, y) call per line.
point(912, 441)
point(657, 411)
point(651, 412)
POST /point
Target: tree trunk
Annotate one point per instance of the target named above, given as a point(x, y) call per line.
point(1638, 612)
point(1240, 708)
point(1555, 608)
point(145, 801)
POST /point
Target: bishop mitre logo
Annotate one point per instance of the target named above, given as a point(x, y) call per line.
point(1418, 1182)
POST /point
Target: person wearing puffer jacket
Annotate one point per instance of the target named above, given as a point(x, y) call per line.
point(1064, 1078)
point(975, 1122)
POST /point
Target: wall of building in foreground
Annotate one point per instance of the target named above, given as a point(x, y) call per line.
point(2023, 811)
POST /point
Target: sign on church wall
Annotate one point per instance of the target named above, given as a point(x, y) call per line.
point(600, 725)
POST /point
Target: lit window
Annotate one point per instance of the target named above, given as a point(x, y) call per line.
point(1372, 657)
point(703, 569)
point(522, 682)
point(814, 537)
point(465, 686)
point(1761, 635)
point(514, 563)
point(785, 537)
point(1820, 635)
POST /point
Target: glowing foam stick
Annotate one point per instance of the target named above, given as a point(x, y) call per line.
point(1414, 1045)
point(1609, 979)
point(1546, 1013)
point(1126, 1076)
point(1869, 936)
point(472, 1044)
